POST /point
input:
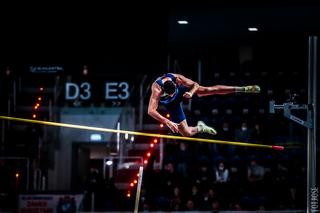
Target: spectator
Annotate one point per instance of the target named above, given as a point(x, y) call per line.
point(238, 207)
point(176, 200)
point(225, 133)
point(195, 195)
point(221, 173)
point(254, 195)
point(215, 206)
point(204, 177)
point(94, 185)
point(255, 171)
point(171, 179)
point(183, 157)
point(190, 205)
point(243, 133)
point(209, 197)
point(257, 133)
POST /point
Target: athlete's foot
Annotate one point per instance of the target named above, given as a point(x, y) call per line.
point(203, 128)
point(252, 89)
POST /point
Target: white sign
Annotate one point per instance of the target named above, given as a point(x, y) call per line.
point(85, 95)
point(112, 88)
point(47, 203)
point(113, 91)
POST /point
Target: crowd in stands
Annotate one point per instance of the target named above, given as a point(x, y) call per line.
point(213, 177)
point(216, 177)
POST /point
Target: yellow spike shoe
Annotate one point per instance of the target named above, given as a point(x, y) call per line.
point(252, 89)
point(203, 128)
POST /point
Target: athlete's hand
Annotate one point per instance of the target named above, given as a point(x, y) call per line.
point(187, 95)
point(173, 126)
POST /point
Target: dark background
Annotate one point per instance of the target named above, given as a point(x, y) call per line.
point(140, 36)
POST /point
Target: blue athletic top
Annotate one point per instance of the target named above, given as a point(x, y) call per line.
point(165, 98)
point(173, 104)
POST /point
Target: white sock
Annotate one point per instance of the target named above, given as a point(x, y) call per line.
point(199, 128)
point(240, 89)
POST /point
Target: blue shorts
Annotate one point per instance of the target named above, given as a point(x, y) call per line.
point(175, 106)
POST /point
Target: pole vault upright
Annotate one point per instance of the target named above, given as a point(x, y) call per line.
point(312, 204)
point(310, 123)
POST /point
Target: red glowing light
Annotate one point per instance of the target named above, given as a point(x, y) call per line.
point(148, 154)
point(135, 181)
point(35, 107)
point(128, 194)
point(151, 145)
point(145, 162)
point(155, 141)
point(41, 88)
point(39, 99)
point(137, 174)
point(161, 125)
point(34, 115)
point(131, 184)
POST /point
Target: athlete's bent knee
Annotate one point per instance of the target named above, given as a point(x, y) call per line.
point(186, 134)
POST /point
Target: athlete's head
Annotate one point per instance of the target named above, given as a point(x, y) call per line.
point(169, 87)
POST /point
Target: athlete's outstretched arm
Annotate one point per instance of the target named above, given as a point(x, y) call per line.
point(153, 108)
point(188, 83)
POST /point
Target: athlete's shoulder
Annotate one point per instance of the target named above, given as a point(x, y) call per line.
point(170, 74)
point(177, 75)
point(178, 78)
point(155, 87)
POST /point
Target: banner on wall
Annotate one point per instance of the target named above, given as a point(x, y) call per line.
point(50, 203)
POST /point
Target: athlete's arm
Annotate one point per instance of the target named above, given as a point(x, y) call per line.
point(153, 106)
point(188, 83)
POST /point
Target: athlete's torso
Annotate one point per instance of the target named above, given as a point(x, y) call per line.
point(165, 98)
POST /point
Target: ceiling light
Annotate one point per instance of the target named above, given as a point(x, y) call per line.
point(252, 29)
point(183, 22)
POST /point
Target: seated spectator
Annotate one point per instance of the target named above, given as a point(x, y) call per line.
point(195, 195)
point(234, 206)
point(215, 206)
point(238, 169)
point(204, 177)
point(237, 207)
point(255, 171)
point(257, 133)
point(254, 191)
point(176, 200)
point(224, 133)
point(183, 157)
point(190, 205)
point(221, 173)
point(209, 197)
point(242, 134)
point(171, 179)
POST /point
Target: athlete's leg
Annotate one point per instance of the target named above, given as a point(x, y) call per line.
point(218, 89)
point(186, 130)
point(189, 131)
point(223, 89)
